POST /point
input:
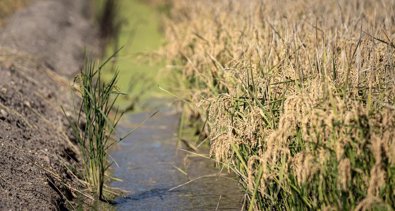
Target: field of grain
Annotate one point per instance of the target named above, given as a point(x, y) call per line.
point(297, 96)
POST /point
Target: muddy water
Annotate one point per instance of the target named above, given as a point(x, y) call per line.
point(160, 176)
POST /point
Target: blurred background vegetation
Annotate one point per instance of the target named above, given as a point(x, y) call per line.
point(7, 7)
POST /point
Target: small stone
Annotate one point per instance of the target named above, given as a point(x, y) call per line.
point(68, 114)
point(27, 104)
point(46, 159)
point(3, 113)
point(4, 90)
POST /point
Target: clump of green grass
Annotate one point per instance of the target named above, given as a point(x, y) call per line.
point(95, 125)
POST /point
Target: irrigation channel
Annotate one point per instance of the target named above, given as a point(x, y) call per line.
point(155, 170)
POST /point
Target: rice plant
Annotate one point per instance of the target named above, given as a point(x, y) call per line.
point(298, 97)
point(96, 124)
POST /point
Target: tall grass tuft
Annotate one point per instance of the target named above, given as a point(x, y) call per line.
point(94, 127)
point(298, 97)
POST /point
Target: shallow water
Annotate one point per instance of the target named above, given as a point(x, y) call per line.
point(147, 162)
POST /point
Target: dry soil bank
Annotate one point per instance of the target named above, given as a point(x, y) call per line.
point(41, 47)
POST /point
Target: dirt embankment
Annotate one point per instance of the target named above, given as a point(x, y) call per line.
point(41, 47)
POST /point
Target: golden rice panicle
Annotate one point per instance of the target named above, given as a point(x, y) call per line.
point(299, 96)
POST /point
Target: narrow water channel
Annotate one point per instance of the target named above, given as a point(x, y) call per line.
point(160, 176)
point(155, 170)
